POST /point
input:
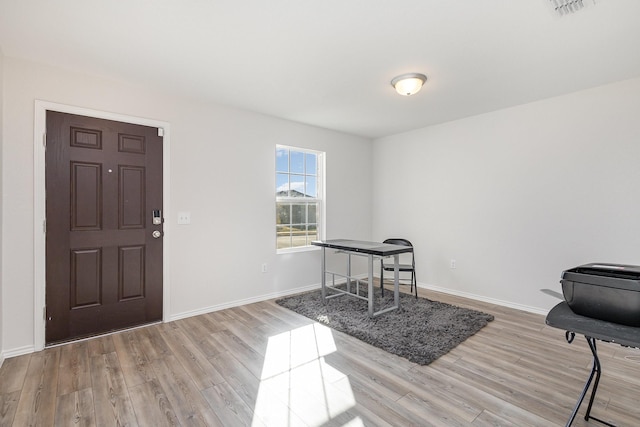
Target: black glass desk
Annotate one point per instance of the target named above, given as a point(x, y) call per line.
point(371, 250)
point(562, 317)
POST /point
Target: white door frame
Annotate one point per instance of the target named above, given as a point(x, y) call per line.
point(39, 214)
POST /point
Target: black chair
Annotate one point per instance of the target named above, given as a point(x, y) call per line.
point(401, 267)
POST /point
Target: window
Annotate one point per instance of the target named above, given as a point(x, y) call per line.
point(298, 197)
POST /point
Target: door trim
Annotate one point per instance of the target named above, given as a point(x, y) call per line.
point(39, 214)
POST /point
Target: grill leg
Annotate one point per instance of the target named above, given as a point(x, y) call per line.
point(323, 279)
point(596, 369)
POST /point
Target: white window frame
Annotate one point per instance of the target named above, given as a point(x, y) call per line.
point(320, 199)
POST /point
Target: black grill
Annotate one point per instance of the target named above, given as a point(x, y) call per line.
point(608, 292)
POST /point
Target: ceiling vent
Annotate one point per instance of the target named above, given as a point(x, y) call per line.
point(566, 7)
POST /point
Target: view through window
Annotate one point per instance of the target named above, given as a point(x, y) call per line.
point(298, 196)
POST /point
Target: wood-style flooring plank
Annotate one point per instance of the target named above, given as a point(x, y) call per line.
point(466, 393)
point(250, 336)
point(13, 373)
point(271, 411)
point(190, 407)
point(513, 390)
point(487, 419)
point(74, 364)
point(263, 365)
point(285, 316)
point(37, 402)
point(110, 394)
point(314, 397)
point(76, 409)
point(152, 342)
point(202, 372)
point(252, 360)
point(229, 407)
point(369, 395)
point(151, 405)
point(362, 413)
point(240, 315)
point(237, 376)
point(133, 361)
point(432, 414)
point(12, 377)
point(8, 407)
point(101, 345)
point(199, 330)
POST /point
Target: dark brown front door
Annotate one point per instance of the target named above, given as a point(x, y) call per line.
point(104, 265)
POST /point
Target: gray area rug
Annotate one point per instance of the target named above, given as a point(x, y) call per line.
point(420, 331)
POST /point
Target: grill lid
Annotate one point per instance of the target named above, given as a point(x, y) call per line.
point(619, 276)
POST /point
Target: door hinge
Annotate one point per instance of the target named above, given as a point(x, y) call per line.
point(44, 313)
point(44, 140)
point(44, 226)
point(160, 132)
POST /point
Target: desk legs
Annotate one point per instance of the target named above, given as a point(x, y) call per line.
point(595, 371)
point(396, 280)
point(349, 273)
point(323, 271)
point(370, 284)
point(396, 284)
point(370, 295)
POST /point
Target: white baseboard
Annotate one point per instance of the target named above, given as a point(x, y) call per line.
point(252, 300)
point(19, 351)
point(30, 348)
point(503, 303)
point(238, 303)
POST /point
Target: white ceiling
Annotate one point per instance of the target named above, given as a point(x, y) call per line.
point(328, 63)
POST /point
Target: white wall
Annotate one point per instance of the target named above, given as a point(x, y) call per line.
point(1, 198)
point(222, 171)
point(518, 195)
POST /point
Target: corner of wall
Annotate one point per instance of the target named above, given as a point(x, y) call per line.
point(1, 205)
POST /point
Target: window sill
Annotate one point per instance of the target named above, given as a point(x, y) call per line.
point(297, 249)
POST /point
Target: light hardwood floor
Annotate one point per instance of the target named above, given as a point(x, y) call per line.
point(263, 365)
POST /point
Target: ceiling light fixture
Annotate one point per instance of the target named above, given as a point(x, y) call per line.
point(408, 84)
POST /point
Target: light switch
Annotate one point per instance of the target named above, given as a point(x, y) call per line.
point(184, 218)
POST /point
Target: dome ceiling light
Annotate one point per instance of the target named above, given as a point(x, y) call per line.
point(408, 84)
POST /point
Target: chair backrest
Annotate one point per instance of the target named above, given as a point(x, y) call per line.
point(403, 242)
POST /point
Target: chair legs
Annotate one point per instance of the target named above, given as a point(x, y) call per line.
point(414, 282)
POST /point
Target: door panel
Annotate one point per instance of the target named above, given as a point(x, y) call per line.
point(104, 268)
point(131, 197)
point(86, 196)
point(85, 281)
point(131, 272)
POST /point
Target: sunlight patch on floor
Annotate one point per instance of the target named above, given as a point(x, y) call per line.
point(298, 387)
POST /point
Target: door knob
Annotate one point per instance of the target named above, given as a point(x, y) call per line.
point(156, 234)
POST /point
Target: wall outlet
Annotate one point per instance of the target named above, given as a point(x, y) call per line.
point(264, 267)
point(184, 218)
point(453, 264)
